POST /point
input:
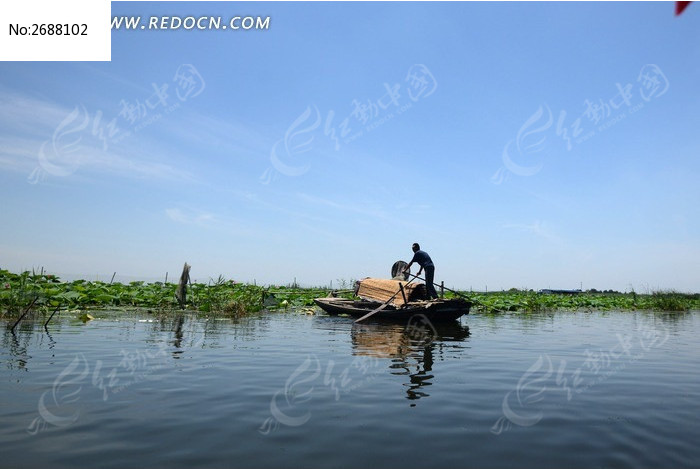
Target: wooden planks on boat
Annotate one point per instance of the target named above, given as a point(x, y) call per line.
point(382, 290)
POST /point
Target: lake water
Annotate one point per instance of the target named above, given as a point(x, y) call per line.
point(295, 390)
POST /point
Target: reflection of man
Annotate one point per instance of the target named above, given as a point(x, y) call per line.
point(423, 260)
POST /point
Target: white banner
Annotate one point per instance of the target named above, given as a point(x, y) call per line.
point(55, 30)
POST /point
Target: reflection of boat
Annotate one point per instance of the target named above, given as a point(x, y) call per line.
point(439, 310)
point(409, 352)
point(389, 340)
point(412, 349)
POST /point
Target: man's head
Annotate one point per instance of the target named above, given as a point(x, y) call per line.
point(415, 247)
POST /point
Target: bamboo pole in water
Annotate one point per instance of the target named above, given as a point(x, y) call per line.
point(181, 292)
point(25, 313)
point(50, 317)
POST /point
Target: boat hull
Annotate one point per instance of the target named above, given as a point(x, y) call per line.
point(434, 310)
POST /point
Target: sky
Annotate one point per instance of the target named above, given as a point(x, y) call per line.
point(523, 145)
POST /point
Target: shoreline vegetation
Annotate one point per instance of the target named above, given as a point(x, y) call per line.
point(46, 293)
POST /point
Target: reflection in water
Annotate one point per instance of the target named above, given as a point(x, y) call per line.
point(673, 322)
point(52, 342)
point(417, 367)
point(178, 330)
point(379, 340)
point(17, 343)
point(411, 348)
point(190, 331)
point(347, 384)
point(179, 321)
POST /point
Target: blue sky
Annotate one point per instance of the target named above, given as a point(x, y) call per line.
point(538, 145)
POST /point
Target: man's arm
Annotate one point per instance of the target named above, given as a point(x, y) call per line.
point(408, 267)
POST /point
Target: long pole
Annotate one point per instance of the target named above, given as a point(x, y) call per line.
point(384, 305)
point(25, 313)
point(54, 312)
point(441, 286)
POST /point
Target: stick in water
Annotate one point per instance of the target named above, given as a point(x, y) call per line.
point(25, 313)
point(54, 312)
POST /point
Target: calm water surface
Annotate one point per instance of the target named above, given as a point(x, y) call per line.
point(295, 390)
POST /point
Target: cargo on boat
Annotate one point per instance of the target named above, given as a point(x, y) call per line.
point(394, 300)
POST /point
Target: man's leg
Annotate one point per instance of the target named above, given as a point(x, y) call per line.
point(429, 279)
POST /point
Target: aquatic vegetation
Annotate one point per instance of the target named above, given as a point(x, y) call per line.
point(48, 292)
point(228, 298)
point(531, 302)
point(290, 297)
point(670, 301)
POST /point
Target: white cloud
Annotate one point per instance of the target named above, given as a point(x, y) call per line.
point(537, 228)
point(80, 139)
point(189, 218)
point(218, 222)
point(27, 114)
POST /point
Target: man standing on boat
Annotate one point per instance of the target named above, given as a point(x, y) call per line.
point(423, 260)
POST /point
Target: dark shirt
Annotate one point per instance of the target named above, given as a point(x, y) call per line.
point(422, 259)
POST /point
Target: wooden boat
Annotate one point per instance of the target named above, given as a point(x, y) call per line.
point(550, 291)
point(439, 310)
